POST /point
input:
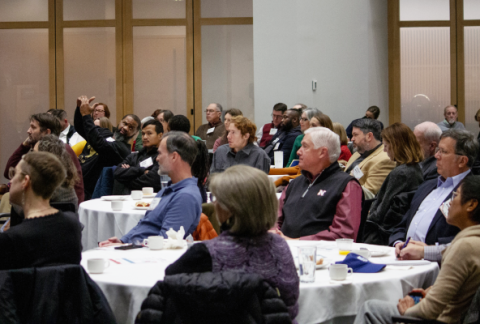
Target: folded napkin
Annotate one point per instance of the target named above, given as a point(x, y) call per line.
point(175, 239)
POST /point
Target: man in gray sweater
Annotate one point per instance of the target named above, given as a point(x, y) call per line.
point(450, 122)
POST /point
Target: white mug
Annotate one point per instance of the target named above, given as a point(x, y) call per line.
point(344, 244)
point(136, 194)
point(339, 271)
point(154, 242)
point(117, 205)
point(364, 253)
point(147, 191)
point(97, 265)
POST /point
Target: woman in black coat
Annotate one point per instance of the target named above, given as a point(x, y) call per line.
point(393, 200)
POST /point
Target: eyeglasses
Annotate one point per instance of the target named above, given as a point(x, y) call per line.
point(304, 119)
point(441, 151)
point(277, 116)
point(99, 110)
point(210, 111)
point(455, 194)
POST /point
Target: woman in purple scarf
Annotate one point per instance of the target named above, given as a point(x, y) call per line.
point(246, 206)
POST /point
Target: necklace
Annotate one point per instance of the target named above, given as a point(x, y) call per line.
point(30, 214)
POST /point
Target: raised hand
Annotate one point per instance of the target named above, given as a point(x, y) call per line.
point(84, 103)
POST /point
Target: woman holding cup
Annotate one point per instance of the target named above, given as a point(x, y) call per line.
point(246, 206)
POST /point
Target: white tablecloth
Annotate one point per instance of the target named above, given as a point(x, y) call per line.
point(127, 284)
point(101, 222)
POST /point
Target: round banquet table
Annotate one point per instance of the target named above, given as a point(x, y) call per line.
point(101, 222)
point(131, 274)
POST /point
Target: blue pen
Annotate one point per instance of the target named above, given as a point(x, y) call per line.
point(128, 260)
point(406, 243)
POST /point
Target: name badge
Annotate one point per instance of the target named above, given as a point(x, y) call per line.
point(357, 173)
point(210, 130)
point(110, 139)
point(276, 147)
point(146, 163)
point(273, 131)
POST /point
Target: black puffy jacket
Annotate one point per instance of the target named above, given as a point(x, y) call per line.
point(225, 297)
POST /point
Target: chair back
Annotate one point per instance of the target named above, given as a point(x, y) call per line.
point(59, 294)
point(364, 215)
point(222, 297)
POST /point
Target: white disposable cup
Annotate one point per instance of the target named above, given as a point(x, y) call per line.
point(364, 253)
point(307, 262)
point(339, 271)
point(147, 191)
point(137, 194)
point(344, 244)
point(117, 205)
point(97, 265)
point(154, 242)
point(278, 159)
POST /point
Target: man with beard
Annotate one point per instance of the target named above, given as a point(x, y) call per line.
point(140, 169)
point(284, 140)
point(102, 150)
point(370, 165)
point(40, 125)
point(181, 202)
point(450, 122)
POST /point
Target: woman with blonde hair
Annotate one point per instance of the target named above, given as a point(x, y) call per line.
point(246, 206)
point(345, 154)
point(387, 211)
point(240, 148)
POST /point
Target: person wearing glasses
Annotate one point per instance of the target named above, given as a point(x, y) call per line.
point(449, 298)
point(266, 132)
point(424, 222)
point(214, 127)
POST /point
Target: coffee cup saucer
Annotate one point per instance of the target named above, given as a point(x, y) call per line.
point(344, 282)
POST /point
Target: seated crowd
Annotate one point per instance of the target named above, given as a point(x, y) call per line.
point(387, 188)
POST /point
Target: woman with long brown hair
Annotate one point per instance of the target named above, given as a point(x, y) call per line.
point(387, 211)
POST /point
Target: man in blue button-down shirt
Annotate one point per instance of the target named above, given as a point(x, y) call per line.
point(181, 203)
point(424, 222)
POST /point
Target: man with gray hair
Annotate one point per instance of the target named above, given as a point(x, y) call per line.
point(214, 128)
point(424, 222)
point(323, 203)
point(181, 202)
point(370, 165)
point(428, 136)
point(450, 122)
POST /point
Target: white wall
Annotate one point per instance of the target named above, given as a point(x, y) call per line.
point(340, 43)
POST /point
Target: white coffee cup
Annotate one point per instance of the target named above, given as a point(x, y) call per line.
point(339, 271)
point(147, 191)
point(136, 194)
point(364, 253)
point(154, 242)
point(117, 205)
point(344, 244)
point(97, 265)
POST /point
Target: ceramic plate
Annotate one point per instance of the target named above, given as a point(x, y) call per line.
point(379, 252)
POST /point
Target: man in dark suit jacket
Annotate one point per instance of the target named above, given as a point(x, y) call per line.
point(424, 222)
point(428, 135)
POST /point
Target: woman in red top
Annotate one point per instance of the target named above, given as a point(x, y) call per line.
point(345, 152)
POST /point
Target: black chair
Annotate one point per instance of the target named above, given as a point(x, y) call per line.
point(412, 320)
point(59, 294)
point(365, 209)
point(213, 298)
